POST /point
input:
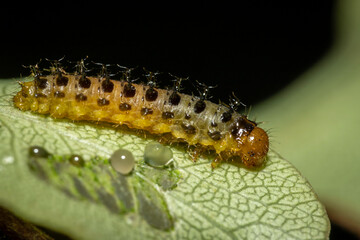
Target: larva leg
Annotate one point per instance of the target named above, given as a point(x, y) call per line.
point(167, 139)
point(216, 162)
point(195, 152)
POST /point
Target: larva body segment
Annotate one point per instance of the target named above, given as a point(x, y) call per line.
point(158, 111)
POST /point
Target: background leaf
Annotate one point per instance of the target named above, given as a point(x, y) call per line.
point(315, 121)
point(230, 202)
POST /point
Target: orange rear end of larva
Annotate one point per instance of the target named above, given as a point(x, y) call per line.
point(191, 119)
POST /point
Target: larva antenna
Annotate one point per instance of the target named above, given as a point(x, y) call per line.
point(152, 81)
point(177, 82)
point(203, 90)
point(56, 67)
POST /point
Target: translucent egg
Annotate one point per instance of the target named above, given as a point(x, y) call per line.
point(122, 161)
point(157, 155)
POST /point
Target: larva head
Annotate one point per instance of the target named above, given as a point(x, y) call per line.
point(255, 147)
point(252, 142)
point(24, 98)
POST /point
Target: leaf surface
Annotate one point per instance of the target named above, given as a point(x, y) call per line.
point(191, 201)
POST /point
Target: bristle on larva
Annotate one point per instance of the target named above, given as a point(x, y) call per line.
point(193, 120)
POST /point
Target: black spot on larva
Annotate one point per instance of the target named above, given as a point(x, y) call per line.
point(188, 128)
point(107, 86)
point(226, 116)
point(214, 135)
point(41, 83)
point(249, 126)
point(124, 107)
point(129, 90)
point(80, 97)
point(167, 115)
point(151, 95)
point(59, 94)
point(103, 102)
point(213, 124)
point(40, 95)
point(199, 106)
point(241, 126)
point(146, 111)
point(187, 116)
point(174, 99)
point(62, 81)
point(84, 82)
point(251, 153)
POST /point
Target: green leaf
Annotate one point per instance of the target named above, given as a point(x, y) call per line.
point(315, 121)
point(189, 201)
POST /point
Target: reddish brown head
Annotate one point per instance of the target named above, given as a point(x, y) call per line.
point(255, 147)
point(252, 142)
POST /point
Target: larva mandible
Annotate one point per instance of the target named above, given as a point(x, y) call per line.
point(194, 120)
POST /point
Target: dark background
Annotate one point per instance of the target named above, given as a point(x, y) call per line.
point(254, 49)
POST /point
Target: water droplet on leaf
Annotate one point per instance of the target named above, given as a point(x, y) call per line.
point(77, 160)
point(122, 161)
point(157, 155)
point(38, 152)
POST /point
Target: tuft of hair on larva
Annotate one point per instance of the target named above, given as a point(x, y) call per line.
point(177, 87)
point(151, 77)
point(34, 69)
point(104, 70)
point(81, 67)
point(204, 90)
point(56, 67)
point(235, 103)
point(126, 73)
